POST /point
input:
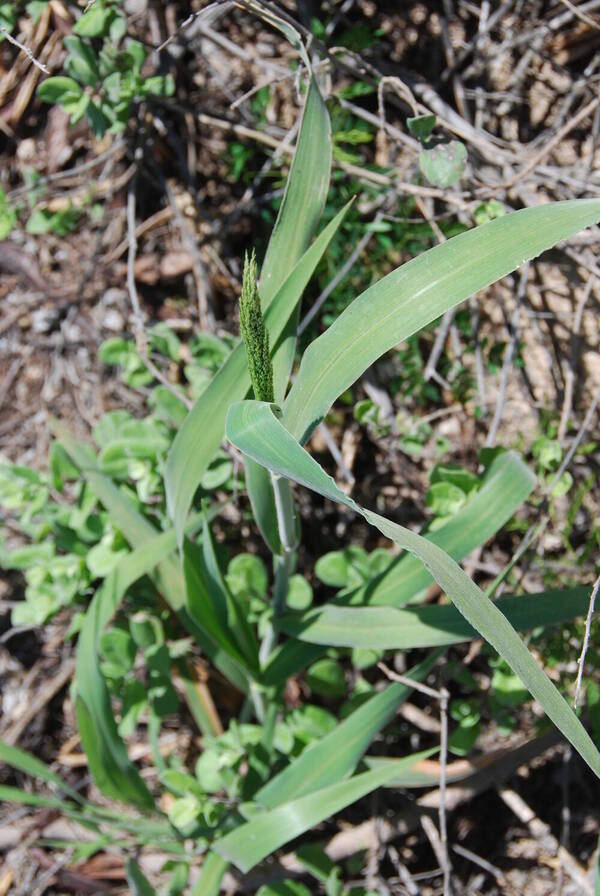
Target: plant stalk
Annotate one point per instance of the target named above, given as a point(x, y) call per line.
point(285, 562)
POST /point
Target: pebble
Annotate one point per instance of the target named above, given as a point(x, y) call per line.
point(43, 320)
point(114, 296)
point(113, 320)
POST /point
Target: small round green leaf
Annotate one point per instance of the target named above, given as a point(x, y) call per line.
point(443, 164)
point(326, 678)
point(300, 593)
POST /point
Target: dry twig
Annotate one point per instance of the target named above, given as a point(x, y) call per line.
point(24, 49)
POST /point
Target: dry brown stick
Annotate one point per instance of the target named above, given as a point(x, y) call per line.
point(580, 15)
point(225, 5)
point(526, 36)
point(138, 320)
point(576, 441)
point(383, 180)
point(437, 845)
point(24, 49)
point(402, 871)
point(468, 778)
point(496, 873)
point(448, 318)
point(44, 694)
point(479, 368)
point(204, 296)
point(11, 375)
point(117, 148)
point(14, 74)
point(439, 842)
point(339, 276)
point(482, 31)
point(104, 188)
point(380, 122)
point(573, 361)
point(236, 50)
point(547, 840)
point(586, 641)
point(50, 52)
point(162, 216)
point(583, 83)
point(553, 143)
point(457, 84)
point(508, 358)
point(335, 452)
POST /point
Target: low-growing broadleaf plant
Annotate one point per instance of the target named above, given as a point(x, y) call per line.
point(275, 773)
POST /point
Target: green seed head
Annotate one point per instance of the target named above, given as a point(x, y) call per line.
point(255, 335)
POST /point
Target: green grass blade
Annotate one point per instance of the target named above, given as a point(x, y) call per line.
point(234, 617)
point(418, 293)
point(31, 765)
point(209, 882)
point(507, 484)
point(299, 214)
point(138, 882)
point(85, 815)
point(207, 608)
point(390, 628)
point(253, 841)
point(289, 32)
point(16, 795)
point(254, 429)
point(168, 576)
point(407, 772)
point(124, 514)
point(204, 719)
point(113, 772)
point(204, 427)
point(336, 755)
point(289, 659)
point(262, 501)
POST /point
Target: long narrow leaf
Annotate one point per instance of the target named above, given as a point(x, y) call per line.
point(389, 628)
point(289, 32)
point(288, 659)
point(336, 755)
point(507, 484)
point(83, 815)
point(16, 795)
point(251, 842)
point(254, 429)
point(168, 576)
point(138, 883)
point(418, 293)
point(31, 765)
point(408, 771)
point(203, 429)
point(262, 501)
point(206, 607)
point(235, 618)
point(209, 882)
point(111, 768)
point(301, 209)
